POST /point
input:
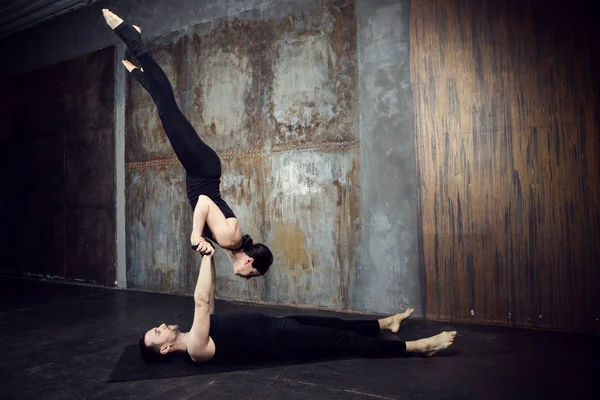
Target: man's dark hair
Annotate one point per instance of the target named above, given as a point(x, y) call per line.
point(151, 354)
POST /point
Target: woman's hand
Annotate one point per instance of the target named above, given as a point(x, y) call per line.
point(200, 244)
point(209, 250)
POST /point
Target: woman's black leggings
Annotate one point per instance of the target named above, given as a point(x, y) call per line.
point(198, 159)
point(310, 336)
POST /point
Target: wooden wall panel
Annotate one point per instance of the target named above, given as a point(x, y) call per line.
point(507, 136)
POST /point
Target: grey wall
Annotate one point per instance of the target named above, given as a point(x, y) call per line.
point(387, 275)
point(388, 167)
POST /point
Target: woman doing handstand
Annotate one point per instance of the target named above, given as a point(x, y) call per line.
point(213, 218)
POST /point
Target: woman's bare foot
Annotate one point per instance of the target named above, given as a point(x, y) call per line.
point(393, 323)
point(130, 67)
point(113, 20)
point(433, 344)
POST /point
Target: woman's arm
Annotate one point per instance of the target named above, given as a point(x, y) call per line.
point(226, 231)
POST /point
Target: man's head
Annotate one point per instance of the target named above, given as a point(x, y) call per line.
point(158, 342)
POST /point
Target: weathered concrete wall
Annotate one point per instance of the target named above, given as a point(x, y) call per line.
point(298, 84)
point(273, 91)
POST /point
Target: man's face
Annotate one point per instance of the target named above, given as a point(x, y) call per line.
point(162, 335)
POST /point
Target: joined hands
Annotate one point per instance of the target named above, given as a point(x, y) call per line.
point(201, 245)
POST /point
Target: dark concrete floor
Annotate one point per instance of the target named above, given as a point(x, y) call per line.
point(62, 341)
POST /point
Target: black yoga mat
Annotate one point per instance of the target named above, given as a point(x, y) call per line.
point(131, 367)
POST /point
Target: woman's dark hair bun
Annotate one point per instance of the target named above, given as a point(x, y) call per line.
point(247, 242)
point(262, 255)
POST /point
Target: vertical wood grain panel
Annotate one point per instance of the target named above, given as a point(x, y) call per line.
point(507, 137)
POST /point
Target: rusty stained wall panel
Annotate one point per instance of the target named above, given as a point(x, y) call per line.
point(89, 174)
point(40, 172)
point(89, 93)
point(310, 89)
point(60, 138)
point(145, 138)
point(158, 214)
point(270, 84)
point(506, 105)
point(244, 183)
point(158, 226)
point(159, 223)
point(40, 206)
point(11, 99)
point(41, 108)
point(90, 243)
point(89, 130)
point(226, 63)
point(230, 77)
point(42, 239)
point(313, 213)
point(33, 140)
point(90, 168)
point(38, 136)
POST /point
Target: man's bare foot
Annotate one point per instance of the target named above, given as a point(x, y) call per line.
point(398, 318)
point(113, 20)
point(130, 67)
point(393, 323)
point(433, 344)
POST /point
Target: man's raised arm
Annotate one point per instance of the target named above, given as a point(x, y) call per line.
point(200, 346)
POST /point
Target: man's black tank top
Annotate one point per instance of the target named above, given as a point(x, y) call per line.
point(245, 336)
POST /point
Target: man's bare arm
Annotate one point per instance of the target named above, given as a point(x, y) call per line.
point(200, 346)
point(211, 308)
point(205, 280)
